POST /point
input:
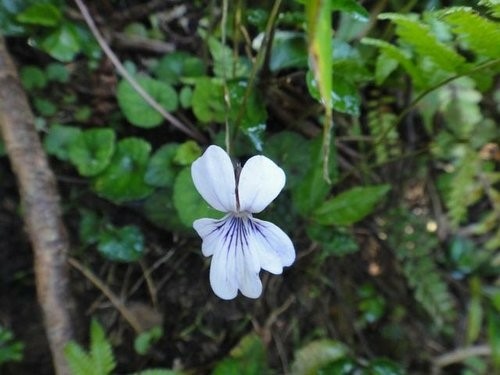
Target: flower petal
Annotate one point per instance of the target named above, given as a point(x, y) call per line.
point(235, 263)
point(209, 230)
point(260, 181)
point(213, 176)
point(274, 247)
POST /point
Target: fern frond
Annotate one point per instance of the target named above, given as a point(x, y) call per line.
point(414, 248)
point(420, 37)
point(79, 361)
point(381, 123)
point(478, 33)
point(101, 352)
point(401, 56)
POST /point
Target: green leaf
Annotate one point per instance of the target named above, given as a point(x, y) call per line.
point(247, 358)
point(478, 33)
point(135, 108)
point(186, 153)
point(161, 169)
point(79, 361)
point(91, 151)
point(313, 189)
point(186, 97)
point(352, 7)
point(124, 244)
point(333, 242)
point(100, 350)
point(63, 43)
point(59, 139)
point(384, 66)
point(42, 14)
point(350, 206)
point(123, 179)
point(32, 77)
point(208, 100)
point(226, 65)
point(342, 366)
point(382, 366)
point(160, 210)
point(89, 227)
point(289, 51)
point(425, 43)
point(188, 202)
point(44, 107)
point(145, 340)
point(494, 336)
point(176, 65)
point(57, 72)
point(474, 311)
point(310, 358)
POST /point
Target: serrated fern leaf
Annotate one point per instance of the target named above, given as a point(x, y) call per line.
point(420, 37)
point(401, 56)
point(101, 352)
point(381, 123)
point(79, 361)
point(479, 34)
point(414, 248)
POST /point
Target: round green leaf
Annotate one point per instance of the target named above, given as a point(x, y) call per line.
point(187, 153)
point(40, 14)
point(175, 65)
point(63, 43)
point(91, 151)
point(188, 202)
point(59, 139)
point(161, 168)
point(208, 100)
point(123, 179)
point(32, 77)
point(159, 209)
point(136, 110)
point(121, 244)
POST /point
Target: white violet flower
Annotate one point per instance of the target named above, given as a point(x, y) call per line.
point(240, 244)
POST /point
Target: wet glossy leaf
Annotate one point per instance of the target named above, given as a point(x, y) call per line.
point(123, 179)
point(350, 206)
point(188, 202)
point(91, 151)
point(124, 244)
point(162, 169)
point(352, 7)
point(135, 108)
point(289, 50)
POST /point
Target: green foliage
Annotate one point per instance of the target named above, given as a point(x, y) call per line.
point(43, 14)
point(247, 358)
point(124, 244)
point(415, 249)
point(315, 355)
point(91, 151)
point(350, 206)
point(162, 167)
point(59, 139)
point(11, 350)
point(334, 242)
point(123, 178)
point(137, 111)
point(208, 100)
point(99, 360)
point(188, 202)
point(145, 340)
point(179, 66)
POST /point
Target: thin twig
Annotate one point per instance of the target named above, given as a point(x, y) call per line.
point(458, 355)
point(113, 298)
point(125, 74)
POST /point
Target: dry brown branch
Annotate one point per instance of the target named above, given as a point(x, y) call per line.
point(41, 211)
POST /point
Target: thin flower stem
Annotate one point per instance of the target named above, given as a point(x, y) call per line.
point(125, 74)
